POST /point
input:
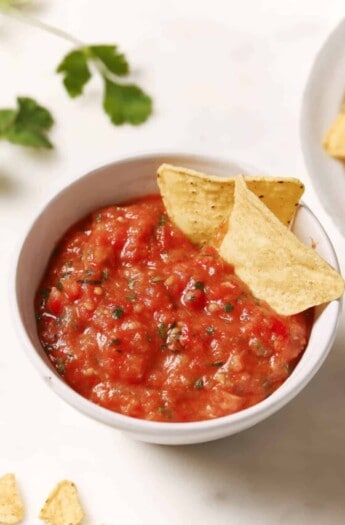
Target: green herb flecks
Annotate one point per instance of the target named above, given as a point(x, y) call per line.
point(90, 281)
point(163, 331)
point(199, 285)
point(115, 342)
point(44, 292)
point(199, 384)
point(217, 364)
point(118, 312)
point(162, 220)
point(60, 366)
point(65, 275)
point(228, 307)
point(131, 283)
point(165, 411)
point(210, 330)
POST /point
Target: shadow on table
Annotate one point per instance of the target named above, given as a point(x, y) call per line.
point(8, 186)
point(294, 459)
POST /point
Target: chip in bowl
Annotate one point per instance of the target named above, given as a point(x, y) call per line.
point(268, 257)
point(199, 204)
point(334, 140)
point(247, 219)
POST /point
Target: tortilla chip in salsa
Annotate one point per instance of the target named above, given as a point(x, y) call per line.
point(268, 257)
point(246, 219)
point(199, 204)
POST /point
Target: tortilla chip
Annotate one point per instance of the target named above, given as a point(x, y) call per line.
point(334, 140)
point(199, 204)
point(11, 505)
point(62, 506)
point(269, 258)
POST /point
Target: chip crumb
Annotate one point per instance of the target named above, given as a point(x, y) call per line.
point(62, 507)
point(313, 243)
point(11, 505)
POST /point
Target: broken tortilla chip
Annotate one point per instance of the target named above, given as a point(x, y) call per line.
point(11, 505)
point(62, 506)
point(269, 258)
point(199, 204)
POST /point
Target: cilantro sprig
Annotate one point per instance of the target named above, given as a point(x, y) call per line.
point(124, 103)
point(26, 125)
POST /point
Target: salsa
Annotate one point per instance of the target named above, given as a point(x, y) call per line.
point(141, 321)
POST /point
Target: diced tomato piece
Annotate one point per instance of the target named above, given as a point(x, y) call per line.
point(72, 289)
point(55, 301)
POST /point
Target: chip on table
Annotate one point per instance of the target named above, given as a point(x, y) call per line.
point(62, 507)
point(11, 504)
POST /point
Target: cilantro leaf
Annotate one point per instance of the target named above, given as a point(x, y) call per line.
point(33, 115)
point(76, 72)
point(126, 103)
point(113, 60)
point(28, 137)
point(27, 125)
point(7, 117)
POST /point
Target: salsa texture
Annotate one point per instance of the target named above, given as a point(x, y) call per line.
point(139, 320)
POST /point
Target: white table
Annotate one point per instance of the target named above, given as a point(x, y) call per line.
point(227, 79)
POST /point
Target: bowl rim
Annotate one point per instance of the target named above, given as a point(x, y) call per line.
point(325, 54)
point(242, 419)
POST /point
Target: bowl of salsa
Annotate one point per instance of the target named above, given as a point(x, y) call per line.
point(140, 329)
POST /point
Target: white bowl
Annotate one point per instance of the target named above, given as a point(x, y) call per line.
point(117, 182)
point(322, 101)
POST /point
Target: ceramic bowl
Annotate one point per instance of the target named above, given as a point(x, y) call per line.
point(118, 182)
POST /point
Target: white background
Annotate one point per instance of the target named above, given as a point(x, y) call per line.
point(227, 79)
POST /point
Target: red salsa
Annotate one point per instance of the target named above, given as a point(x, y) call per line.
point(140, 321)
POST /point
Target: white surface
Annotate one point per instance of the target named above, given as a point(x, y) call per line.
point(322, 101)
point(227, 78)
point(123, 181)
